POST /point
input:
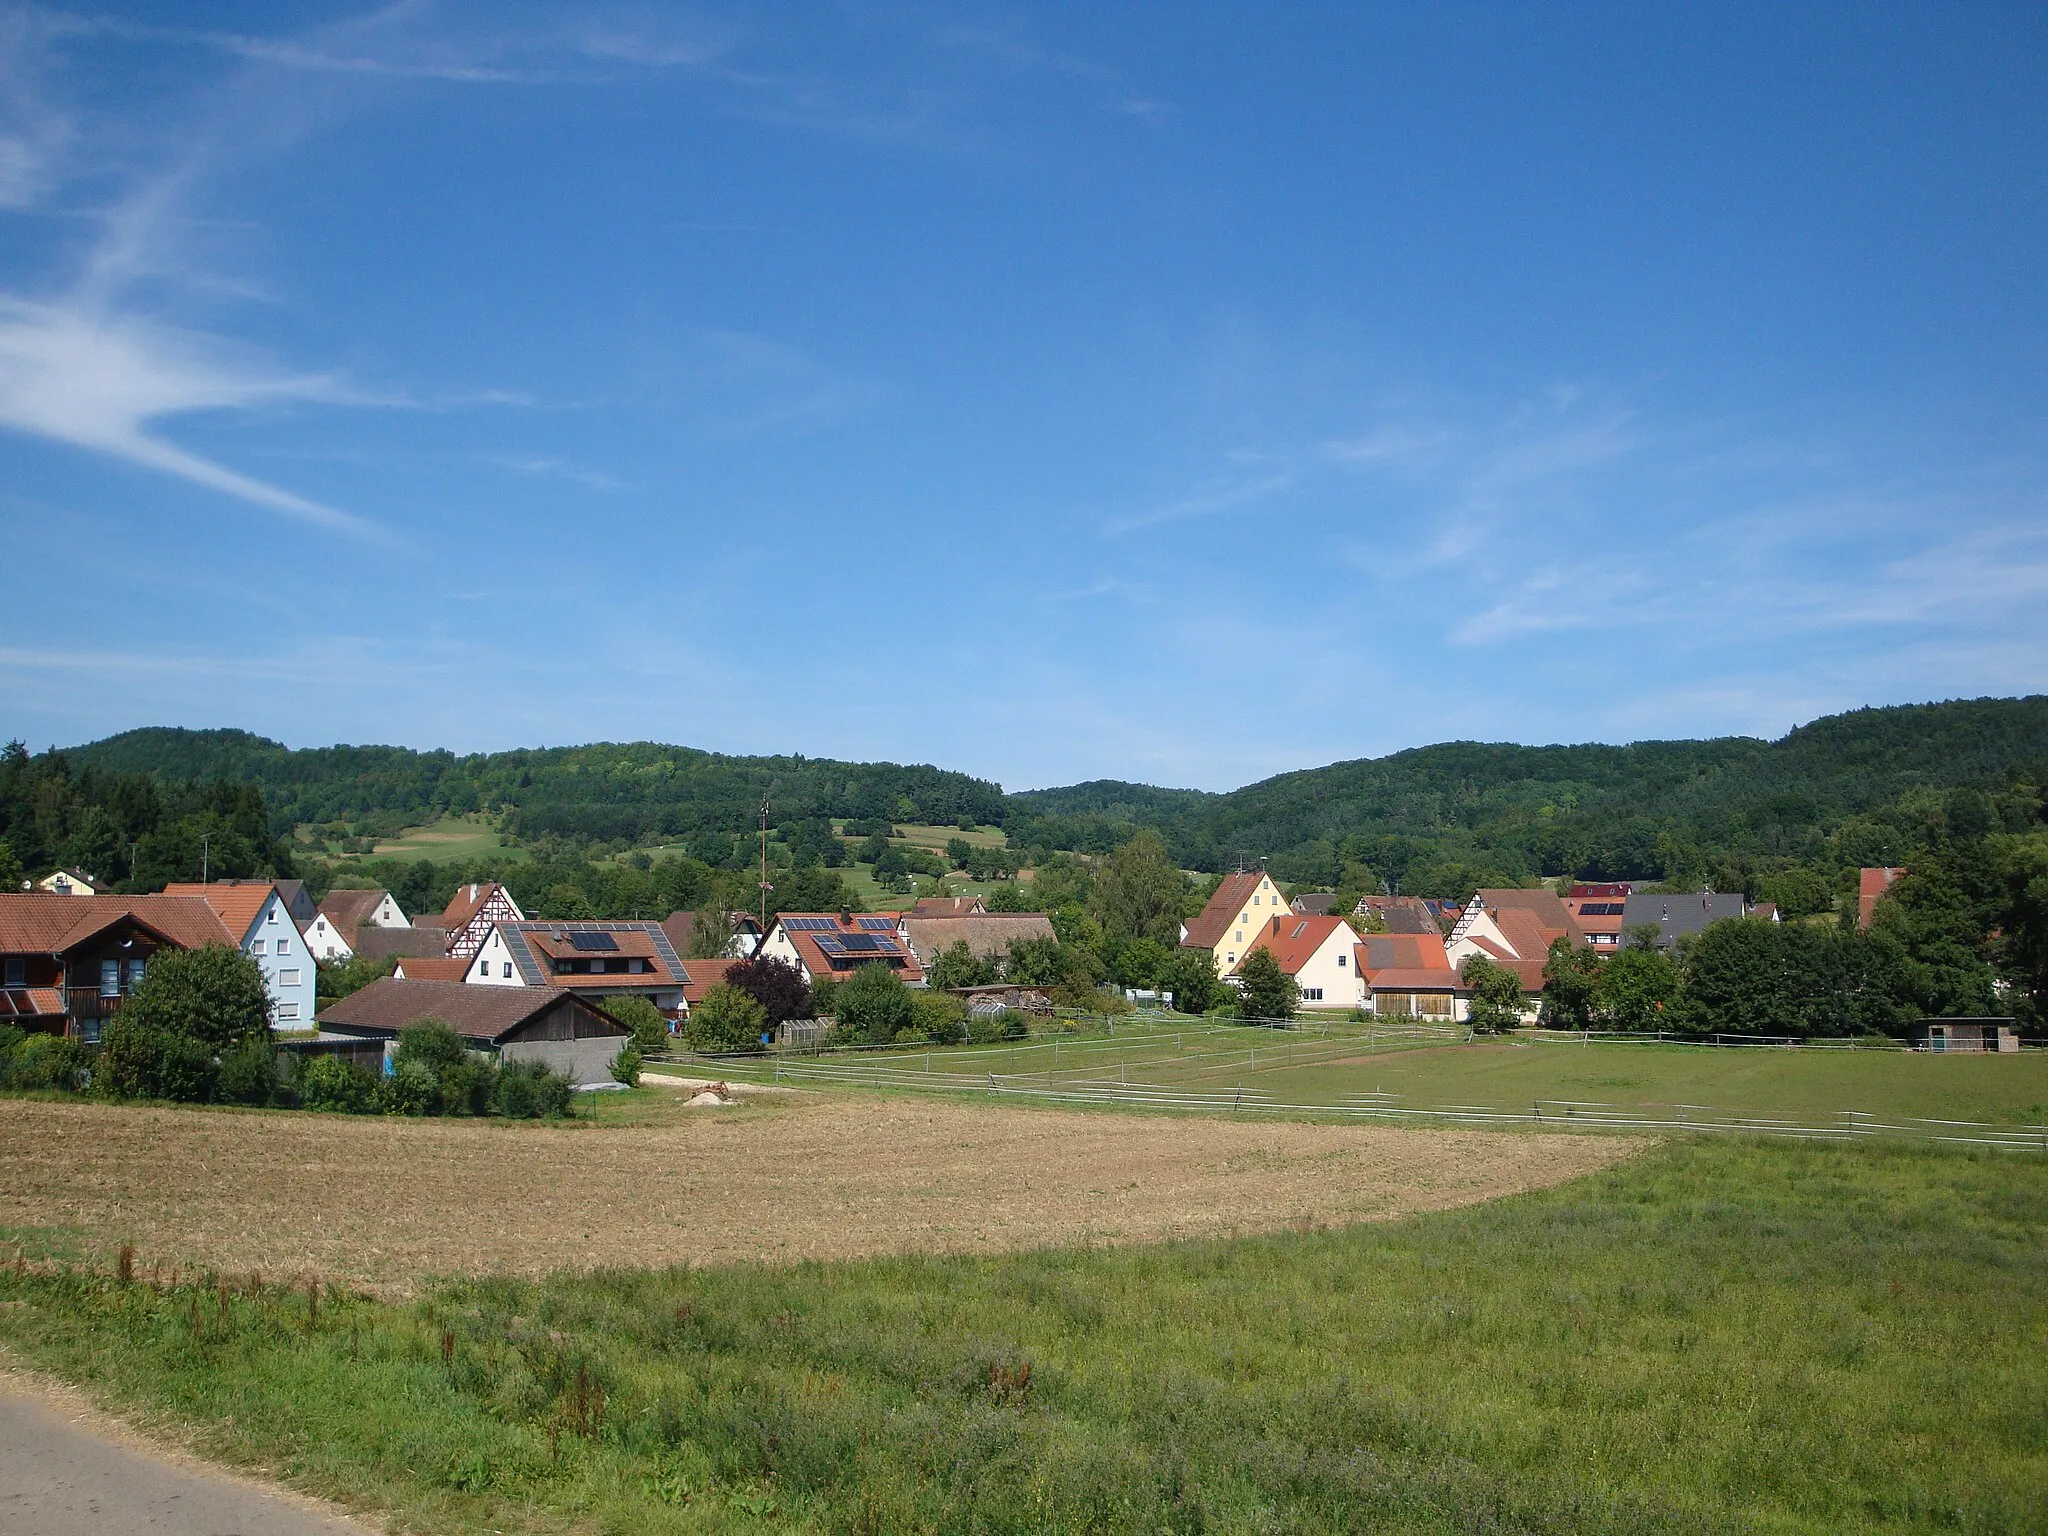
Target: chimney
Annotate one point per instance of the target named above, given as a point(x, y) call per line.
point(846, 916)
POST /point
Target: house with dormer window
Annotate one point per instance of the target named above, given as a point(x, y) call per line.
point(592, 959)
point(1241, 907)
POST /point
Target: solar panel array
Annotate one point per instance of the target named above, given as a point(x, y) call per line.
point(857, 944)
point(1602, 908)
point(878, 924)
point(809, 924)
point(584, 940)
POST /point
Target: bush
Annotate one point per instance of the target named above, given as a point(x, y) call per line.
point(1268, 991)
point(938, 1018)
point(726, 1020)
point(649, 1025)
point(874, 1003)
point(625, 1067)
point(411, 1089)
point(248, 1074)
point(1016, 1024)
point(527, 1090)
point(141, 1063)
point(213, 995)
point(778, 986)
point(1496, 996)
point(11, 1035)
point(331, 1083)
point(42, 1063)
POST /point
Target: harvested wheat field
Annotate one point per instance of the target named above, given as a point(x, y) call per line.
point(379, 1203)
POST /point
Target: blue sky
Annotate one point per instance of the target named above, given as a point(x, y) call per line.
point(1182, 394)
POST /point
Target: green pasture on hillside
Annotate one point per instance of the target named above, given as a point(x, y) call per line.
point(1717, 1336)
point(445, 841)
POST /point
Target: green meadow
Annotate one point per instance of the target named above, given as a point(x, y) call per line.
point(1720, 1335)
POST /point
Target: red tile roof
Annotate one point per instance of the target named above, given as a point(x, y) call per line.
point(1293, 939)
point(841, 963)
point(44, 923)
point(1206, 928)
point(432, 968)
point(1871, 884)
point(237, 903)
point(704, 975)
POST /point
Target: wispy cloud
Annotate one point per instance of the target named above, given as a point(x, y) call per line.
point(538, 466)
point(100, 381)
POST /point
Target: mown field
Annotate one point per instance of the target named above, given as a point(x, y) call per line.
point(1339, 1064)
point(1714, 1336)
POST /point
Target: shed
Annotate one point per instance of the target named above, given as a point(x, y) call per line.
point(571, 1034)
point(1977, 1035)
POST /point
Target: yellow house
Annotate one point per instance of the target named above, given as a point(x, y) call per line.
point(1240, 908)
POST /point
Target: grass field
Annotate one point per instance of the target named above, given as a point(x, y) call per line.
point(1344, 1064)
point(381, 1203)
point(1715, 1336)
point(440, 842)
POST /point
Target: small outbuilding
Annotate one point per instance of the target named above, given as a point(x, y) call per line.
point(570, 1034)
point(1974, 1035)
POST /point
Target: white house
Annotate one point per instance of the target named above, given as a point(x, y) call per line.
point(254, 911)
point(1317, 952)
point(334, 928)
point(593, 959)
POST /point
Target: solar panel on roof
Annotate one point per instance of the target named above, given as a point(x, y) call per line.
point(593, 941)
point(809, 924)
point(877, 924)
point(859, 943)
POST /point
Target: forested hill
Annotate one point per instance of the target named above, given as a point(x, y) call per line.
point(638, 792)
point(1857, 788)
point(1847, 789)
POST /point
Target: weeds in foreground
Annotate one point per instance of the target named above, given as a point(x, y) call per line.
point(1715, 1337)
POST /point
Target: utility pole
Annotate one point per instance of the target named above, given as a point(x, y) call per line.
point(765, 886)
point(203, 865)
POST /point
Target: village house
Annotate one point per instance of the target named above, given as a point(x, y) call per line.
point(1314, 903)
point(1239, 909)
point(743, 933)
point(1675, 917)
point(1600, 906)
point(1409, 975)
point(1513, 928)
point(68, 965)
point(1396, 914)
point(948, 906)
point(473, 912)
point(259, 922)
point(1317, 953)
point(823, 945)
point(564, 1030)
point(593, 959)
point(987, 935)
point(336, 929)
point(71, 882)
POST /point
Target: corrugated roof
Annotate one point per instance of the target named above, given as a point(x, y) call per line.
point(1207, 927)
point(481, 1013)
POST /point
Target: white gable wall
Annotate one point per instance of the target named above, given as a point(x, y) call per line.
point(279, 949)
point(493, 966)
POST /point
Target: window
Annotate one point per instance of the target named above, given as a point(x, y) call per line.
point(288, 978)
point(508, 970)
point(283, 947)
point(1311, 994)
point(255, 946)
point(287, 1012)
point(270, 916)
point(135, 974)
point(1341, 959)
point(110, 978)
point(17, 971)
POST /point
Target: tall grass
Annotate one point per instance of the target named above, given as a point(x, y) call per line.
point(1714, 1337)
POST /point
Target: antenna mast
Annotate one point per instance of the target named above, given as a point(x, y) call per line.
point(765, 886)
